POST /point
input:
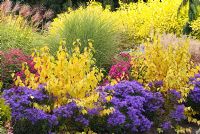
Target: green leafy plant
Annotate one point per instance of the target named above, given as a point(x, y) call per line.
point(4, 111)
point(16, 33)
point(193, 13)
point(91, 23)
point(196, 28)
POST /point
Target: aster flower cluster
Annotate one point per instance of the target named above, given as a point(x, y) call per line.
point(155, 84)
point(22, 99)
point(132, 105)
point(135, 109)
point(21, 102)
point(194, 96)
point(70, 115)
point(172, 112)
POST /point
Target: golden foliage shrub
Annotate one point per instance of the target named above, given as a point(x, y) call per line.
point(170, 64)
point(67, 77)
point(137, 21)
point(196, 28)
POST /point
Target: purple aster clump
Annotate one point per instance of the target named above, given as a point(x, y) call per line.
point(178, 113)
point(117, 118)
point(166, 125)
point(195, 95)
point(193, 99)
point(174, 96)
point(66, 111)
point(70, 115)
point(132, 104)
point(94, 111)
point(156, 84)
point(81, 119)
point(154, 101)
point(21, 101)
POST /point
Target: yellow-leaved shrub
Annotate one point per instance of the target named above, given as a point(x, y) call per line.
point(170, 64)
point(196, 28)
point(66, 76)
point(138, 20)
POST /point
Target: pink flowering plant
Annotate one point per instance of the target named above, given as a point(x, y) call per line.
point(120, 70)
point(11, 63)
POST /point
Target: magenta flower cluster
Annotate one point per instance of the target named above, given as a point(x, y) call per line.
point(120, 70)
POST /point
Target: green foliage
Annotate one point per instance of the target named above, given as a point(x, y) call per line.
point(5, 113)
point(91, 23)
point(193, 13)
point(2, 130)
point(15, 33)
point(196, 28)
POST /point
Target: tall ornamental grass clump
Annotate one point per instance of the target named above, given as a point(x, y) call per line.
point(16, 33)
point(137, 21)
point(91, 23)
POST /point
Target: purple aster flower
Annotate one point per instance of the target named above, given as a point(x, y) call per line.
point(197, 75)
point(156, 84)
point(82, 120)
point(66, 111)
point(166, 125)
point(132, 103)
point(21, 102)
point(174, 95)
point(178, 113)
point(116, 118)
point(194, 95)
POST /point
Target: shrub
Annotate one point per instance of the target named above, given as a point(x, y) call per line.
point(91, 23)
point(31, 112)
point(120, 70)
point(137, 109)
point(11, 62)
point(195, 28)
point(170, 64)
point(194, 45)
point(132, 106)
point(5, 114)
point(66, 77)
point(16, 33)
point(193, 101)
point(193, 97)
point(137, 21)
point(26, 118)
